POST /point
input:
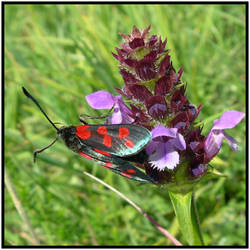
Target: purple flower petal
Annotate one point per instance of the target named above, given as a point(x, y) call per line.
point(179, 142)
point(121, 114)
point(151, 147)
point(161, 130)
point(199, 170)
point(164, 156)
point(228, 119)
point(100, 100)
point(105, 100)
point(232, 142)
point(193, 144)
point(158, 110)
point(157, 107)
point(213, 143)
point(214, 139)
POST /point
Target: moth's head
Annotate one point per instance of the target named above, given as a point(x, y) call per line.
point(68, 135)
point(66, 132)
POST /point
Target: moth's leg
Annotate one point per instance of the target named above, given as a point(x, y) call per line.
point(84, 116)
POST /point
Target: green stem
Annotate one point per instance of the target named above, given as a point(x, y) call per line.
point(195, 218)
point(19, 207)
point(186, 213)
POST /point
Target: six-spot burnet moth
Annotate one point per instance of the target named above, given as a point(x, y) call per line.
point(112, 146)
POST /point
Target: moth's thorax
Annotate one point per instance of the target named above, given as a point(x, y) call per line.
point(68, 134)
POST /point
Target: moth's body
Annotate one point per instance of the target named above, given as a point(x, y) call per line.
point(111, 146)
point(109, 153)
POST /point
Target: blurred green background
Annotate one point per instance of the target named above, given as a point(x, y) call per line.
point(61, 53)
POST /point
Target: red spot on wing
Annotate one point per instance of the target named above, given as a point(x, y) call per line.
point(129, 143)
point(131, 171)
point(83, 132)
point(101, 152)
point(125, 174)
point(107, 141)
point(107, 165)
point(123, 132)
point(102, 130)
point(85, 155)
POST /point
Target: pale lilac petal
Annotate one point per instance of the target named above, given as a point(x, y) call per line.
point(164, 157)
point(122, 106)
point(101, 100)
point(228, 119)
point(232, 142)
point(180, 125)
point(213, 143)
point(163, 154)
point(119, 117)
point(121, 113)
point(172, 159)
point(193, 144)
point(214, 140)
point(151, 147)
point(157, 107)
point(201, 169)
point(116, 117)
point(158, 110)
point(160, 130)
point(179, 142)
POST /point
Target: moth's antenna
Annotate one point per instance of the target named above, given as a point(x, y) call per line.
point(38, 105)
